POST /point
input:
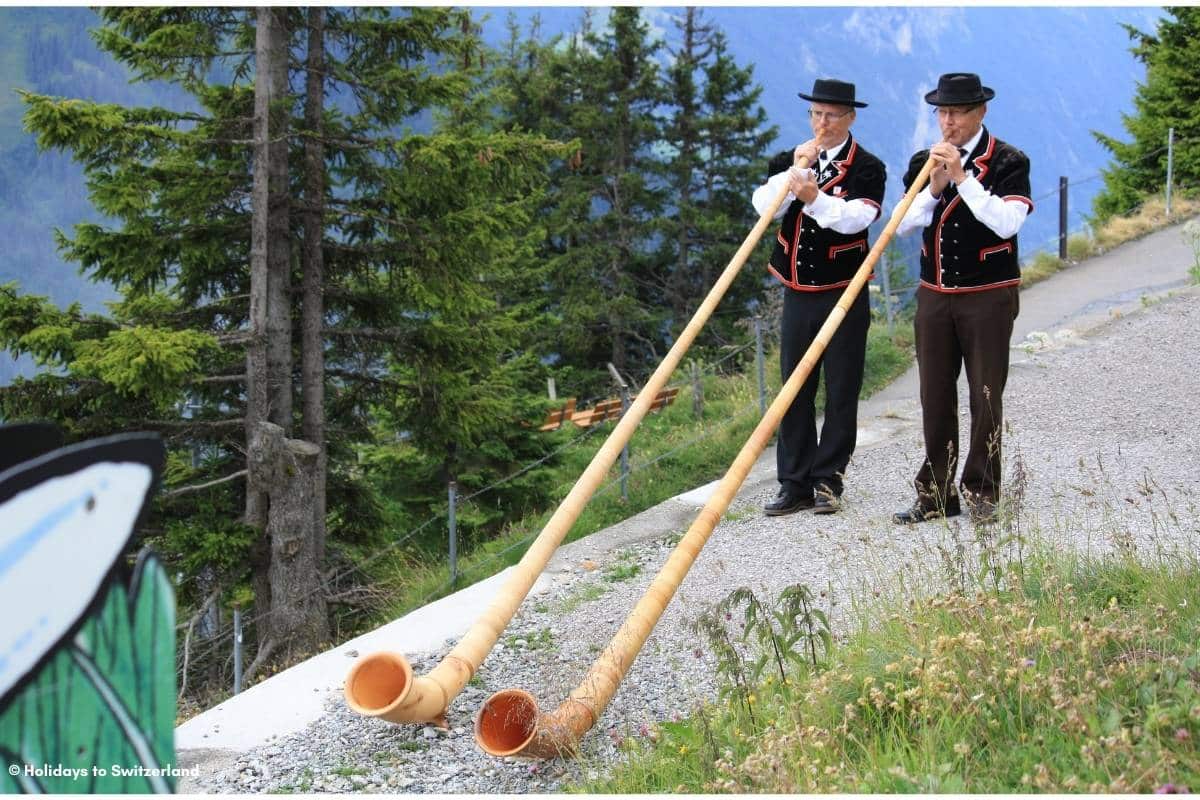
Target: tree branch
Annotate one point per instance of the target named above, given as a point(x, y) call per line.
point(198, 486)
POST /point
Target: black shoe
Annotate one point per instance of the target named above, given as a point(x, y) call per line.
point(826, 502)
point(919, 513)
point(787, 502)
point(983, 512)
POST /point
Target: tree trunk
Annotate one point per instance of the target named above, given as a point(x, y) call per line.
point(312, 368)
point(279, 251)
point(269, 354)
point(297, 624)
point(257, 393)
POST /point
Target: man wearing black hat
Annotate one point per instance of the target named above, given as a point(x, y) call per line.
point(976, 201)
point(820, 245)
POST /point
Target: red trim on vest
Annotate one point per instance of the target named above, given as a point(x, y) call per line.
point(842, 168)
point(967, 289)
point(834, 249)
point(983, 158)
point(1018, 198)
point(981, 163)
point(824, 287)
point(937, 238)
point(1000, 248)
point(796, 248)
point(779, 238)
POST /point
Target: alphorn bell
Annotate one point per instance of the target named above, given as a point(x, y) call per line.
point(382, 684)
point(509, 722)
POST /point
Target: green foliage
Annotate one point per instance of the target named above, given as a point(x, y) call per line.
point(144, 361)
point(1071, 674)
point(716, 133)
point(104, 698)
point(1191, 236)
point(1169, 98)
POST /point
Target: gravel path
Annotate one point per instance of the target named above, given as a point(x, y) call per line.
point(1103, 424)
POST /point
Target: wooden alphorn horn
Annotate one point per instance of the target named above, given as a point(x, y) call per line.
point(509, 722)
point(382, 684)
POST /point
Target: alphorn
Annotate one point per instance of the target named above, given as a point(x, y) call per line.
point(510, 722)
point(382, 684)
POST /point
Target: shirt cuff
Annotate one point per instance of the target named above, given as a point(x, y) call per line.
point(821, 204)
point(972, 189)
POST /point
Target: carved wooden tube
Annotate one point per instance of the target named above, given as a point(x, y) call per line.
point(382, 684)
point(510, 723)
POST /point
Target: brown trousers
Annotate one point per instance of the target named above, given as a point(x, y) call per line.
point(971, 328)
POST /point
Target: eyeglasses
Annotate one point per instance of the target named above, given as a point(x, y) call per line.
point(827, 115)
point(953, 112)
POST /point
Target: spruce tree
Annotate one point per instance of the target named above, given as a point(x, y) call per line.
point(600, 88)
point(1169, 98)
point(389, 266)
point(717, 135)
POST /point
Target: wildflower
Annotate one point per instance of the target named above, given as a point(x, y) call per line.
point(1171, 788)
point(644, 730)
point(683, 748)
point(1029, 662)
point(1182, 734)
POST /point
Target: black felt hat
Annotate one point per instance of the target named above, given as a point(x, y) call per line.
point(959, 89)
point(838, 93)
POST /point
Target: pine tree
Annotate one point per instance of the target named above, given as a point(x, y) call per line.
point(599, 88)
point(387, 272)
point(717, 137)
point(1169, 98)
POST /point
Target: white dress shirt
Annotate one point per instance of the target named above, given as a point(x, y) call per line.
point(833, 213)
point(1003, 217)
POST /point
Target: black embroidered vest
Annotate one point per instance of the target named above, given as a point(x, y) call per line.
point(958, 252)
point(809, 258)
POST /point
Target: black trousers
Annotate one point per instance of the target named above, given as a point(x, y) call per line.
point(803, 462)
point(971, 328)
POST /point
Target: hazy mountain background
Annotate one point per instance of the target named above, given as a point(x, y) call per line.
point(1059, 73)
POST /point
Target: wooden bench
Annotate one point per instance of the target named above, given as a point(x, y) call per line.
point(605, 409)
point(611, 408)
point(664, 398)
point(555, 418)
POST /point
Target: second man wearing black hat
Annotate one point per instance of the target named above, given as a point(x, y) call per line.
point(969, 215)
point(820, 245)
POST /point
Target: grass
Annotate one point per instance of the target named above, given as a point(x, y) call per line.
point(1069, 675)
point(543, 639)
point(1149, 217)
point(623, 569)
point(584, 594)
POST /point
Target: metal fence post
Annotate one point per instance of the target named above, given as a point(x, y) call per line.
point(1062, 217)
point(237, 650)
point(886, 280)
point(762, 373)
point(1170, 164)
point(624, 389)
point(453, 491)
